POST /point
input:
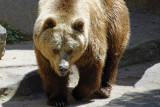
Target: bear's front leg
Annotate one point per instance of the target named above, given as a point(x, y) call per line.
point(54, 86)
point(56, 90)
point(90, 79)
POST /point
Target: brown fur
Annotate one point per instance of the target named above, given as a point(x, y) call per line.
point(51, 80)
point(108, 34)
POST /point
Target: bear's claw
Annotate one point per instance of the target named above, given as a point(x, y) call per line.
point(57, 103)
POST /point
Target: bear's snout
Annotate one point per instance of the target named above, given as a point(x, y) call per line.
point(63, 68)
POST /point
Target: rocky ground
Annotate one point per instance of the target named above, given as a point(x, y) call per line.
point(138, 79)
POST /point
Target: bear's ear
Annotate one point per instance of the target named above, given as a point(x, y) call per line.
point(78, 25)
point(49, 23)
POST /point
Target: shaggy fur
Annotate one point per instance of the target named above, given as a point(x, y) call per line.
point(92, 34)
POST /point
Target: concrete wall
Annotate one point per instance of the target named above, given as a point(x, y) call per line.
point(19, 13)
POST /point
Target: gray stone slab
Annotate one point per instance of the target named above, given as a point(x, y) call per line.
point(146, 92)
point(148, 6)
point(141, 52)
point(137, 99)
point(150, 80)
point(144, 40)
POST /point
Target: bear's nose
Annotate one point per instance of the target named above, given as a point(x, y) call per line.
point(63, 68)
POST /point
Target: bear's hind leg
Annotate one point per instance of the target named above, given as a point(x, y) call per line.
point(117, 44)
point(109, 74)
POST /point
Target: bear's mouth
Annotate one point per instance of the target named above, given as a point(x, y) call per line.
point(63, 73)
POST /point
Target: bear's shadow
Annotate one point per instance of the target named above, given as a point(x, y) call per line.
point(30, 90)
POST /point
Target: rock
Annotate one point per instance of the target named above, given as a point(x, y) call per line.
point(3, 36)
point(137, 99)
point(141, 52)
point(150, 80)
point(142, 46)
point(148, 6)
point(146, 92)
point(19, 13)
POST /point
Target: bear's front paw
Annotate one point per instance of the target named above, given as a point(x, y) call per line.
point(76, 93)
point(57, 102)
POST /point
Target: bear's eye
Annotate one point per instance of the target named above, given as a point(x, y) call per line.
point(69, 52)
point(55, 51)
point(78, 25)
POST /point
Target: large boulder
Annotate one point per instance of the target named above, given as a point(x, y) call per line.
point(3, 36)
point(150, 80)
point(146, 92)
point(19, 13)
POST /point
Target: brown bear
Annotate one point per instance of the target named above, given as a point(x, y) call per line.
point(92, 34)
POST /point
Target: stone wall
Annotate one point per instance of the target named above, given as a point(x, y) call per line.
point(149, 6)
point(19, 13)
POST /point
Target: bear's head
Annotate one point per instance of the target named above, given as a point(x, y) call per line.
point(61, 42)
